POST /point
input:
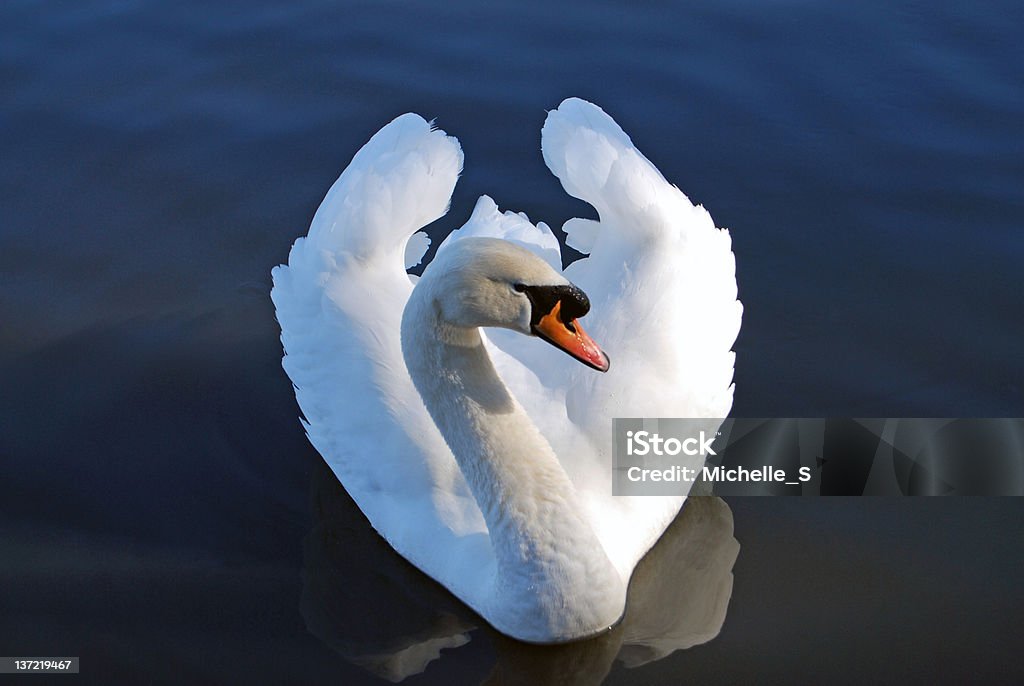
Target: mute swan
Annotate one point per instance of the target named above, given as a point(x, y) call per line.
point(484, 459)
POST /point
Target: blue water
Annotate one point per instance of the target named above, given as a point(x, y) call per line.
point(157, 159)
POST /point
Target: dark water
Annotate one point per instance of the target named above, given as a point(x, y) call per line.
point(162, 515)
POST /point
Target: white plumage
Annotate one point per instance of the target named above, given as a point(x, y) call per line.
point(661, 282)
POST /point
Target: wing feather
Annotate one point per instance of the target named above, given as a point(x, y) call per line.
point(661, 280)
point(339, 302)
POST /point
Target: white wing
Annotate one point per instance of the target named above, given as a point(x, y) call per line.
point(661, 281)
point(339, 301)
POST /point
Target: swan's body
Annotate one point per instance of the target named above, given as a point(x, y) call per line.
point(486, 462)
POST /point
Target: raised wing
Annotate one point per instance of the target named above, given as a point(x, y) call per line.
point(339, 302)
point(661, 280)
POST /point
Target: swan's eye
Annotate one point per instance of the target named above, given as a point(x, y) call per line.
point(520, 287)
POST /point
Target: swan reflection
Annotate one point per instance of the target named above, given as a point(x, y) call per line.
point(381, 613)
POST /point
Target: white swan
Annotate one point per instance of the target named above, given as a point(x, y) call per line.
point(486, 462)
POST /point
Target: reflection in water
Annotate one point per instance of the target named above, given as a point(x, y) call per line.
point(381, 613)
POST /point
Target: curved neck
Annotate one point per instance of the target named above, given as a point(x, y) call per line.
point(542, 543)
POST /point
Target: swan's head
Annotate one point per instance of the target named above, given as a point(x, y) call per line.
point(490, 282)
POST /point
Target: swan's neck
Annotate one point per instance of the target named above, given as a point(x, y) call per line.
point(549, 561)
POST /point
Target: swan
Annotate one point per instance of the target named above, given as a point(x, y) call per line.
point(482, 457)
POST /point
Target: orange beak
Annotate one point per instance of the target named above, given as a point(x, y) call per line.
point(570, 337)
